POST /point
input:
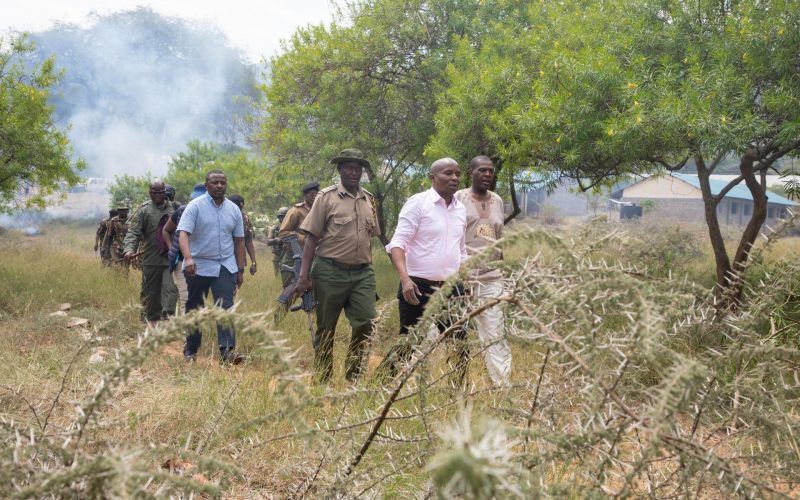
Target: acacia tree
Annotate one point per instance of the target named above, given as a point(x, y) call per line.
point(368, 81)
point(34, 153)
point(597, 90)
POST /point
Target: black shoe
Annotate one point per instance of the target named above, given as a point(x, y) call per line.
point(190, 358)
point(232, 357)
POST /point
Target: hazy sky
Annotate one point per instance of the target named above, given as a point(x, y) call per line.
point(254, 26)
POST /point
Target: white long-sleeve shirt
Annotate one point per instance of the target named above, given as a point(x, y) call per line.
point(432, 234)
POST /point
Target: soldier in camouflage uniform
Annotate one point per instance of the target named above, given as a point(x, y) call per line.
point(115, 236)
point(249, 233)
point(275, 242)
point(99, 238)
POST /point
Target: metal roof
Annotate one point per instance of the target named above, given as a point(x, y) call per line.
point(739, 191)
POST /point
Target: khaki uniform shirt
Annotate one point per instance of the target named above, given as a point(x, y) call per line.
point(344, 225)
point(291, 223)
point(484, 227)
point(142, 226)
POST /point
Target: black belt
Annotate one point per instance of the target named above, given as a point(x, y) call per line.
point(341, 265)
point(423, 281)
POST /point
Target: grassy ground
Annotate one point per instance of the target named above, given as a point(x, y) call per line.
point(253, 416)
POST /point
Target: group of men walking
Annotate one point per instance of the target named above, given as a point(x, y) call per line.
point(437, 231)
point(110, 234)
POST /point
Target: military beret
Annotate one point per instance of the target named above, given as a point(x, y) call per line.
point(310, 186)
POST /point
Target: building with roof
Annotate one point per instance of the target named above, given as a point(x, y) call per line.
point(678, 197)
point(539, 192)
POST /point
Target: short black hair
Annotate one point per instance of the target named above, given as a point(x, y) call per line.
point(238, 199)
point(212, 172)
point(473, 163)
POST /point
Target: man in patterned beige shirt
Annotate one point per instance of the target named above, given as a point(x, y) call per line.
point(484, 227)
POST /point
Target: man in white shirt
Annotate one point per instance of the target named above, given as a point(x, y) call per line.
point(484, 227)
point(428, 247)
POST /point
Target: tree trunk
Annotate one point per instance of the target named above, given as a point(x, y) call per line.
point(758, 192)
point(729, 275)
point(379, 197)
point(515, 210)
point(723, 263)
point(380, 214)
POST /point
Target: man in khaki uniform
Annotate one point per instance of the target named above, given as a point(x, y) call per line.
point(338, 231)
point(156, 277)
point(291, 225)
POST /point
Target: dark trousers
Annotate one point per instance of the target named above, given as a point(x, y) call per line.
point(150, 296)
point(410, 315)
point(222, 290)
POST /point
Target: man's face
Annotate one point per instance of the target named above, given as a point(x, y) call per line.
point(445, 179)
point(123, 214)
point(483, 176)
point(216, 185)
point(157, 194)
point(309, 196)
point(350, 172)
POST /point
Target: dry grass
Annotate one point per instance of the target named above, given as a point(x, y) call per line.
point(253, 416)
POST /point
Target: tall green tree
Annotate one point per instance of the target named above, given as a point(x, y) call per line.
point(247, 175)
point(35, 155)
point(597, 90)
point(367, 81)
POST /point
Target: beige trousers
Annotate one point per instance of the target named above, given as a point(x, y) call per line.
point(491, 332)
point(183, 292)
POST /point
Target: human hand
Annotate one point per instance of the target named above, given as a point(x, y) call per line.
point(410, 291)
point(253, 269)
point(189, 266)
point(239, 281)
point(303, 284)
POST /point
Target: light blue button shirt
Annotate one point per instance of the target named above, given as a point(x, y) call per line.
point(212, 229)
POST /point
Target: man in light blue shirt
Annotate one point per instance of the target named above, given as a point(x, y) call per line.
point(212, 243)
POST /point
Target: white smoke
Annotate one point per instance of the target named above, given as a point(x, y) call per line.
point(138, 86)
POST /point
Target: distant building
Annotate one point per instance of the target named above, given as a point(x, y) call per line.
point(678, 197)
point(538, 193)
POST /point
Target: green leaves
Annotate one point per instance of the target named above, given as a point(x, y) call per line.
point(35, 156)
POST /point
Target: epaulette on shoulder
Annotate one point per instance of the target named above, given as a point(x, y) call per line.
point(328, 189)
point(368, 193)
point(298, 205)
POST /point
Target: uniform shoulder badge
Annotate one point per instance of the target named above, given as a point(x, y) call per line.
point(299, 205)
point(368, 193)
point(328, 189)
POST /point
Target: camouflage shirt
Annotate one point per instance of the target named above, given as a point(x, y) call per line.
point(117, 229)
point(249, 232)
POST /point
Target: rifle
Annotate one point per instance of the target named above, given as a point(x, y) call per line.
point(307, 303)
point(132, 256)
